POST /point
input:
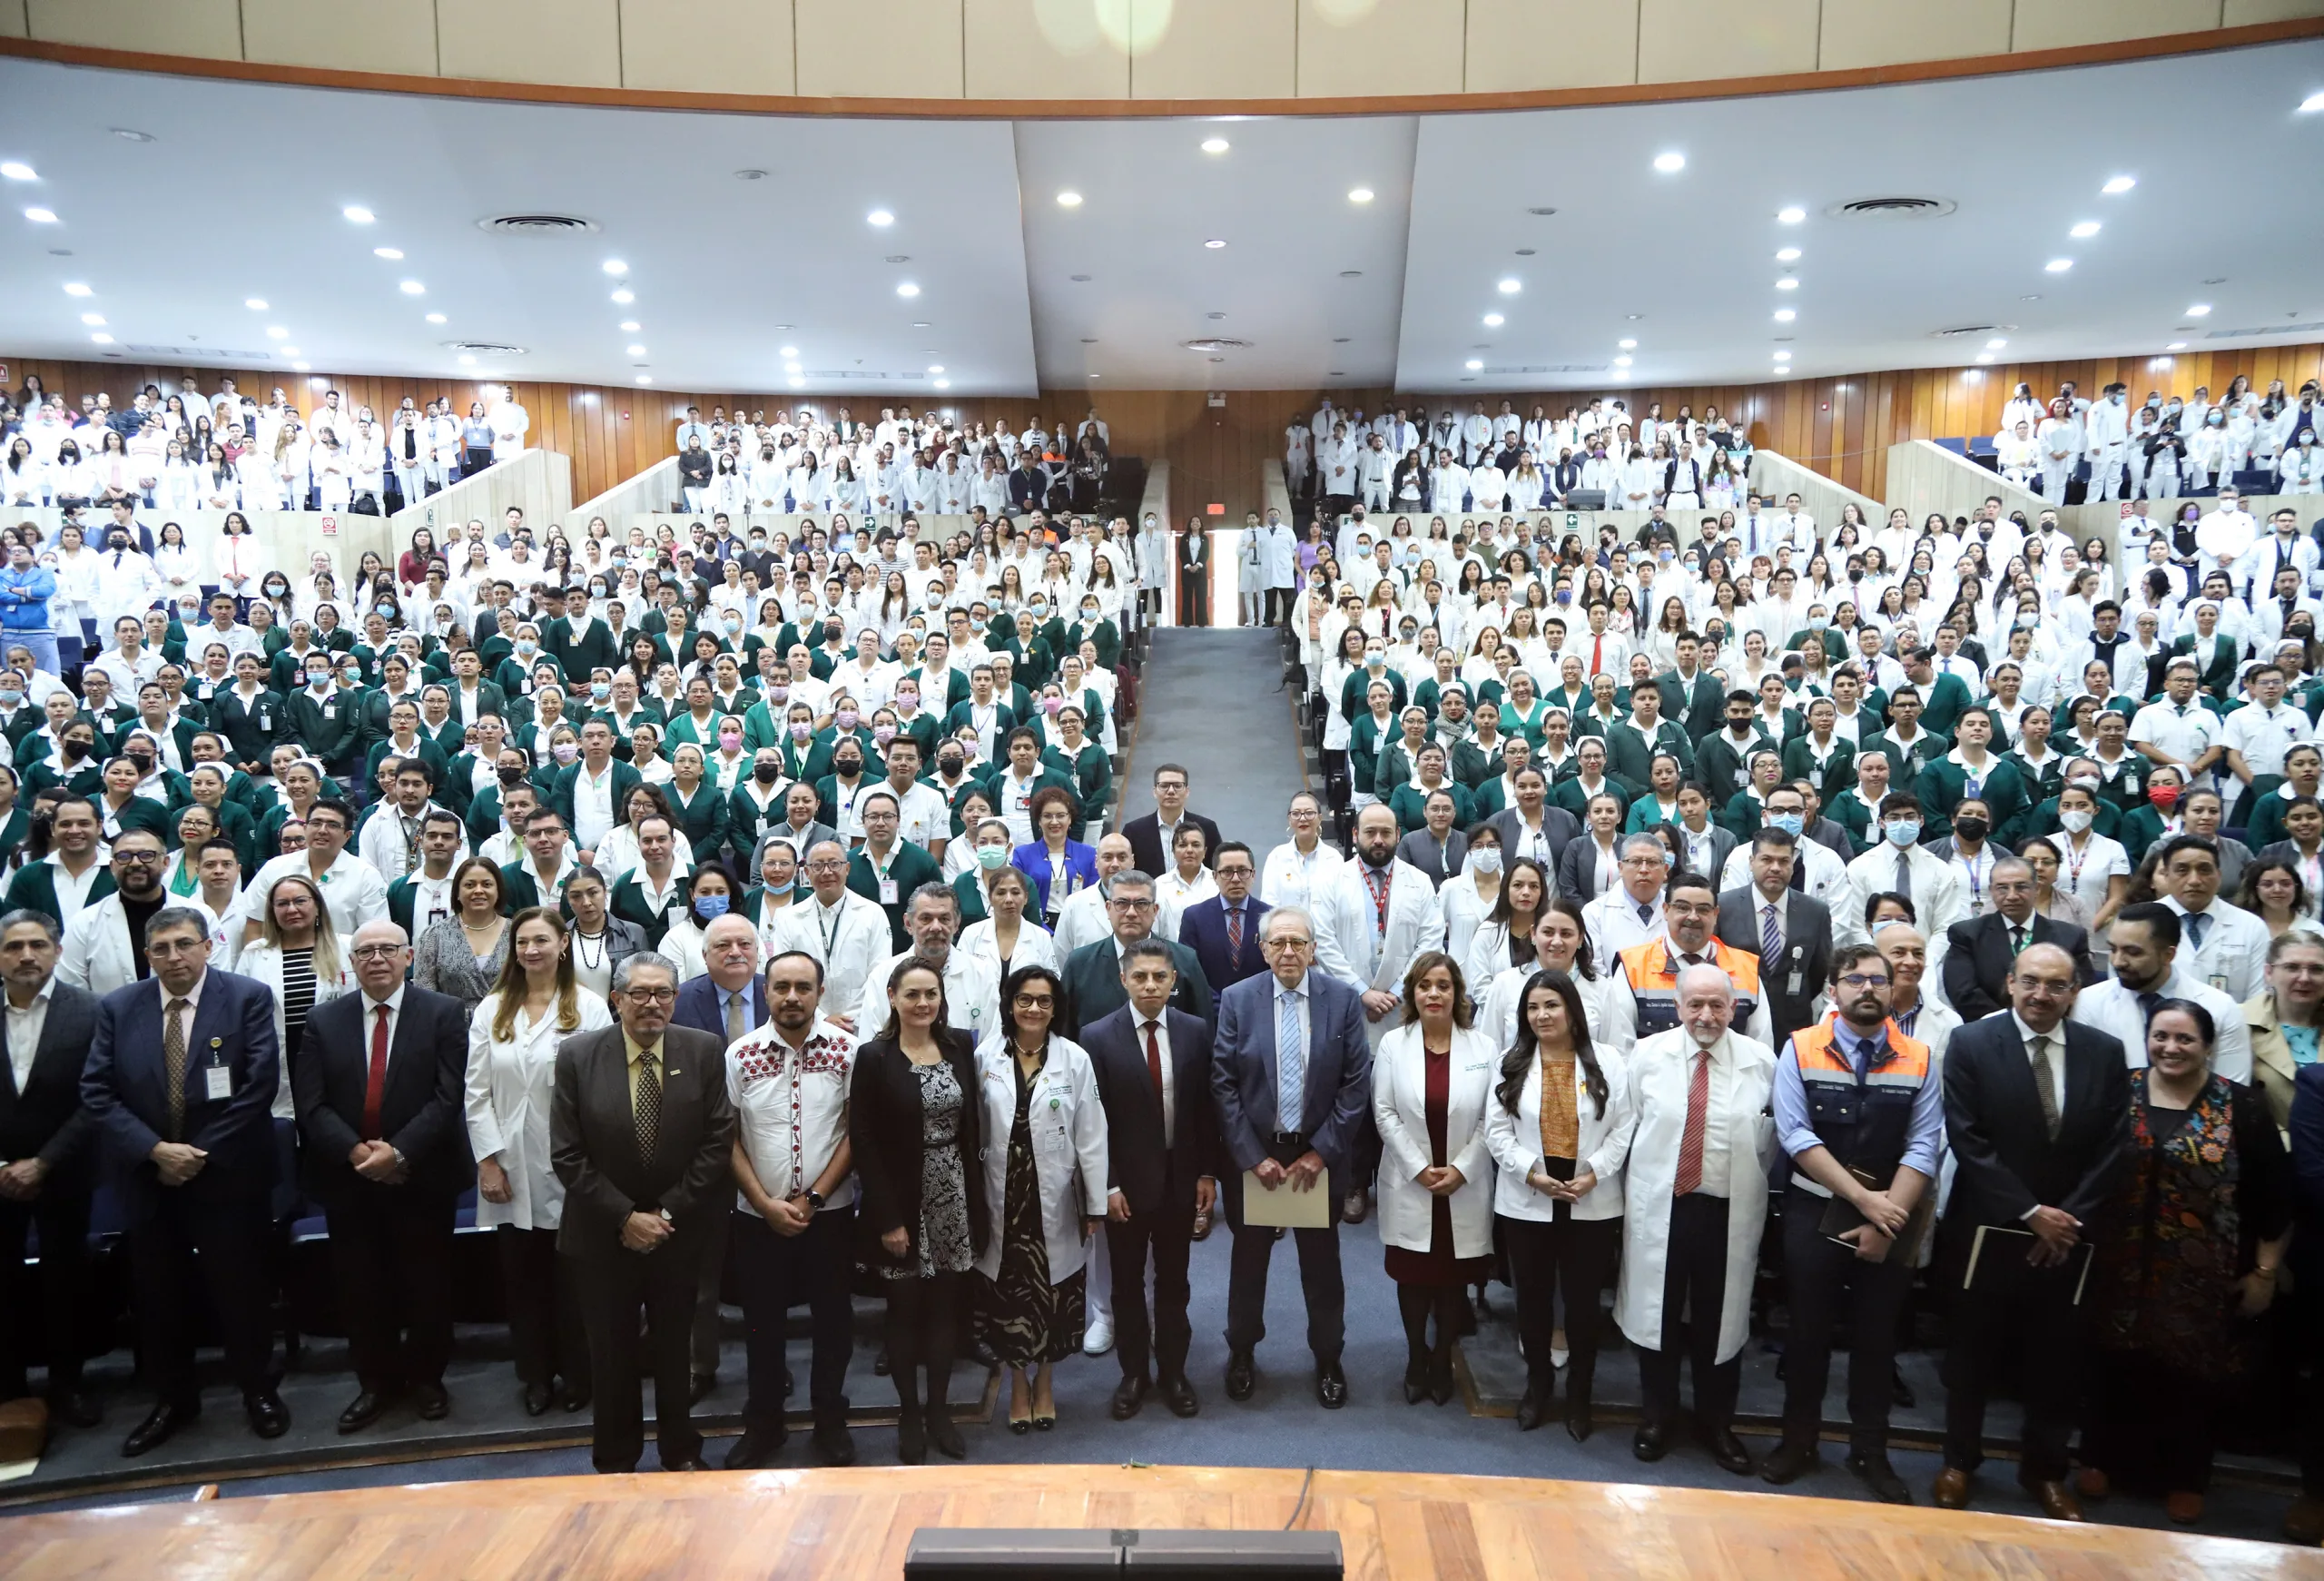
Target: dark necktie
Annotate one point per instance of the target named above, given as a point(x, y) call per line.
point(647, 1105)
point(173, 1066)
point(1233, 937)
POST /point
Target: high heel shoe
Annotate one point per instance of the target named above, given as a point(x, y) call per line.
point(1416, 1378)
point(1442, 1387)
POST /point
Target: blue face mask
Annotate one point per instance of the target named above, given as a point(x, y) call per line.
point(1902, 832)
point(709, 907)
point(1791, 823)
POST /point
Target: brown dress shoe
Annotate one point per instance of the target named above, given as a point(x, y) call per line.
point(2056, 1499)
point(2091, 1484)
point(2184, 1508)
point(2304, 1521)
point(1952, 1489)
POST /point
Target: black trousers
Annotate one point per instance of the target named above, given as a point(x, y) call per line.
point(1577, 1256)
point(391, 1263)
point(705, 1295)
point(544, 1310)
point(1193, 595)
point(228, 1243)
point(1169, 1234)
point(2307, 1318)
point(2151, 1425)
point(2031, 1322)
point(1694, 1274)
point(774, 1273)
point(1319, 1271)
point(1819, 1275)
point(60, 1214)
point(613, 1284)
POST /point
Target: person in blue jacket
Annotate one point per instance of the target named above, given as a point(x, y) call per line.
point(25, 588)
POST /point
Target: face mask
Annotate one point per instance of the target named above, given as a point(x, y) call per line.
point(1039, 608)
point(1975, 829)
point(2165, 796)
point(1817, 622)
point(849, 766)
point(318, 680)
point(764, 773)
point(992, 857)
point(599, 691)
point(1792, 824)
point(527, 647)
point(565, 752)
point(1902, 833)
point(144, 760)
point(510, 774)
point(1373, 661)
point(907, 701)
point(2077, 821)
point(846, 719)
point(354, 674)
point(709, 907)
point(1486, 859)
point(801, 729)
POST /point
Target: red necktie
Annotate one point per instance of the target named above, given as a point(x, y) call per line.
point(375, 1088)
point(1690, 1143)
point(1597, 654)
point(1153, 1063)
point(1235, 935)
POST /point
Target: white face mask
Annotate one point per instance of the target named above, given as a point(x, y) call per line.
point(2077, 820)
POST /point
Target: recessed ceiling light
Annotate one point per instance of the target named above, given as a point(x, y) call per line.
point(290, 350)
point(917, 324)
point(898, 258)
point(625, 296)
point(1984, 356)
point(1783, 370)
point(1512, 286)
point(413, 288)
point(2312, 103)
point(906, 288)
point(130, 134)
point(435, 318)
point(467, 361)
point(1495, 321)
point(788, 351)
point(1791, 216)
point(1214, 243)
point(1785, 315)
point(1089, 339)
point(645, 379)
point(41, 216)
point(629, 326)
point(1475, 364)
point(879, 217)
point(2086, 231)
point(390, 253)
point(750, 175)
point(943, 384)
point(1633, 317)
point(2059, 265)
point(2202, 309)
point(797, 383)
point(635, 350)
point(1787, 255)
point(1670, 163)
point(257, 304)
point(1995, 344)
point(1094, 376)
point(615, 266)
point(2176, 346)
point(1789, 283)
point(102, 339)
point(277, 333)
point(1628, 345)
point(2031, 296)
point(93, 319)
point(1211, 145)
point(1783, 356)
point(1359, 195)
point(16, 171)
point(361, 217)
point(2119, 184)
point(936, 366)
point(77, 289)
point(1068, 200)
point(791, 368)
point(1622, 361)
point(299, 367)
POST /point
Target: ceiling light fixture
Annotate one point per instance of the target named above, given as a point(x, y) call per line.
point(625, 296)
point(1785, 315)
point(41, 216)
point(2086, 231)
point(1622, 361)
point(2119, 185)
point(300, 367)
point(798, 384)
point(635, 350)
point(1214, 243)
point(130, 134)
point(615, 266)
point(1789, 283)
point(102, 339)
point(435, 318)
point(1670, 163)
point(277, 333)
point(1791, 216)
point(1359, 195)
point(2176, 346)
point(1627, 345)
point(907, 290)
point(93, 320)
point(1212, 145)
point(16, 171)
point(788, 351)
point(467, 361)
point(879, 217)
point(76, 289)
point(2202, 309)
point(1495, 321)
point(943, 384)
point(2312, 103)
point(257, 304)
point(2059, 265)
point(1787, 255)
point(1475, 364)
point(1068, 200)
point(1995, 344)
point(936, 366)
point(361, 215)
point(1984, 357)
point(413, 288)
point(1512, 286)
point(645, 379)
point(392, 254)
point(630, 326)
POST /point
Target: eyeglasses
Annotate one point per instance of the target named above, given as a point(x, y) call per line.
point(1290, 945)
point(651, 995)
point(376, 951)
point(1858, 980)
point(141, 857)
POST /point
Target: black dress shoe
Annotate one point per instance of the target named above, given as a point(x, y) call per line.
point(75, 1408)
point(880, 1363)
point(944, 1434)
point(753, 1451)
point(572, 1397)
point(1330, 1386)
point(1179, 1396)
point(1726, 1451)
point(1651, 1441)
point(692, 1463)
point(154, 1431)
point(1128, 1395)
point(1534, 1408)
point(835, 1445)
point(1242, 1375)
point(1791, 1461)
point(1357, 1207)
point(1442, 1386)
point(1874, 1472)
point(538, 1397)
point(361, 1413)
point(269, 1417)
point(1902, 1394)
point(1415, 1377)
point(790, 1383)
point(698, 1385)
point(434, 1403)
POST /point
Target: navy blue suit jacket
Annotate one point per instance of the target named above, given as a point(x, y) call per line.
point(1339, 1072)
point(1202, 928)
point(126, 1089)
point(700, 1007)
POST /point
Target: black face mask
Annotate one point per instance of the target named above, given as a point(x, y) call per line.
point(767, 773)
point(510, 774)
point(948, 765)
point(144, 760)
point(1974, 827)
point(849, 766)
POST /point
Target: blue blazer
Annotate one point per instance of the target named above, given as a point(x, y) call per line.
point(1339, 1072)
point(699, 1007)
point(1033, 862)
point(126, 1089)
point(1202, 928)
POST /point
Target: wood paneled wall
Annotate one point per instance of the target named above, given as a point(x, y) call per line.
point(1841, 424)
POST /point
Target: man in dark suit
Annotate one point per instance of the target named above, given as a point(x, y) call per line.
point(1794, 945)
point(1194, 578)
point(1152, 1065)
point(1692, 699)
point(2038, 1112)
point(1093, 974)
point(45, 1159)
point(1980, 950)
point(1151, 836)
point(729, 1002)
point(1289, 1110)
point(182, 1072)
point(379, 1090)
point(1224, 931)
point(640, 1132)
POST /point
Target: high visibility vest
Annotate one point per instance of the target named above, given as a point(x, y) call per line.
point(1865, 1122)
point(1652, 976)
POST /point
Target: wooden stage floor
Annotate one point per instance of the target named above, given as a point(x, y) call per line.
point(856, 1523)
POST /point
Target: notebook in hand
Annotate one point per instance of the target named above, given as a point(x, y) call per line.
point(1997, 1260)
point(1286, 1207)
point(1841, 1216)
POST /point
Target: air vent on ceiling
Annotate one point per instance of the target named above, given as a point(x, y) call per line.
point(1215, 344)
point(1542, 213)
point(535, 224)
point(198, 354)
point(1550, 368)
point(2220, 334)
point(1899, 208)
point(484, 348)
point(1957, 330)
point(845, 373)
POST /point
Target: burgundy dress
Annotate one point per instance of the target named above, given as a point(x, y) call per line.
point(1437, 1265)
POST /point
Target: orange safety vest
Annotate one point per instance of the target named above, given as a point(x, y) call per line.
point(1654, 979)
point(1865, 1124)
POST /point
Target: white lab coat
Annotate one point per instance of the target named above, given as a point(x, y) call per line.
point(1067, 1124)
point(1603, 1142)
point(1344, 914)
point(262, 963)
point(96, 954)
point(857, 945)
point(1400, 1109)
point(1659, 1076)
point(1288, 879)
point(508, 1089)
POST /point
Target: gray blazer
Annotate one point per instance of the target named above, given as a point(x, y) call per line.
point(441, 964)
point(1558, 824)
point(1420, 849)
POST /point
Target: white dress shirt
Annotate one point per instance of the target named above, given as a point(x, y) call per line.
point(25, 1026)
point(791, 1107)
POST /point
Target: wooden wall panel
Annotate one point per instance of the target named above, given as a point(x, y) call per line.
point(1841, 424)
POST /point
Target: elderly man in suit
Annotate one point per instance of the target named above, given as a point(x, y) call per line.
point(1979, 951)
point(1790, 933)
point(1223, 930)
point(378, 1087)
point(1152, 837)
point(729, 1002)
point(1093, 974)
point(1291, 1073)
point(2037, 1110)
point(1152, 1068)
point(640, 1132)
point(45, 1157)
point(180, 1083)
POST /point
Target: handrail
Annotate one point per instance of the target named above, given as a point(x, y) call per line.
point(651, 492)
point(538, 482)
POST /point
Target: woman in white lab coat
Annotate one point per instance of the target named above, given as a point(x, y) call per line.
point(1431, 1082)
point(513, 1040)
point(1044, 1190)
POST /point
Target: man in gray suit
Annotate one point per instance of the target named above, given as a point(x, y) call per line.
point(1792, 972)
point(1289, 1111)
point(640, 1131)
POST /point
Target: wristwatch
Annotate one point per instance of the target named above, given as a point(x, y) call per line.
point(814, 1199)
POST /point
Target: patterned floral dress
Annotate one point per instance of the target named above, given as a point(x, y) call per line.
point(1022, 1317)
point(942, 1238)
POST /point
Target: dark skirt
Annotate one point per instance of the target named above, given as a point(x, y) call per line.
point(1438, 1265)
point(1022, 1318)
